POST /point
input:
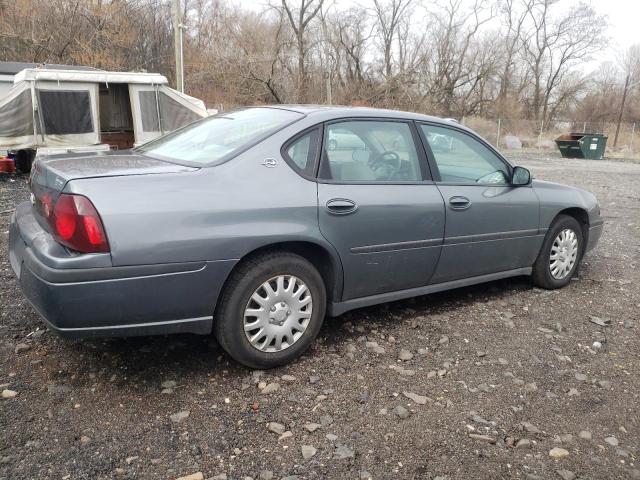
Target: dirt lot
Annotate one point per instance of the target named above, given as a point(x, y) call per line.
point(514, 364)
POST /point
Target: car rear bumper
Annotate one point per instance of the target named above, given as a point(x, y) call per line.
point(117, 301)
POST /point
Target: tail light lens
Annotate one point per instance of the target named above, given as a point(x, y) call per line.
point(77, 225)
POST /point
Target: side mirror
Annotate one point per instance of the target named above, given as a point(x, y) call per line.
point(520, 176)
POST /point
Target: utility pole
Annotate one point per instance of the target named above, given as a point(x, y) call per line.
point(624, 99)
point(177, 43)
point(327, 77)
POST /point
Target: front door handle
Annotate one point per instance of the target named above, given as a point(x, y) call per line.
point(459, 203)
point(341, 206)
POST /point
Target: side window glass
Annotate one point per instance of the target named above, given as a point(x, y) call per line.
point(375, 151)
point(302, 152)
point(461, 158)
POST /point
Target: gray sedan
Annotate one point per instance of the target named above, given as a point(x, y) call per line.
point(246, 225)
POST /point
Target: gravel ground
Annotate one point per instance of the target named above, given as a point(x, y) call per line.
point(495, 381)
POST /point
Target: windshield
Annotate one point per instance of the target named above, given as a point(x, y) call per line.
point(218, 137)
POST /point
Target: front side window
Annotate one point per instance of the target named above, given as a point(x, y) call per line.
point(370, 151)
point(462, 159)
point(215, 138)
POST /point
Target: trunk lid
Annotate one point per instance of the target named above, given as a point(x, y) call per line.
point(53, 172)
point(50, 174)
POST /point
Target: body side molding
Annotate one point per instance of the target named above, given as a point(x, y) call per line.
point(335, 309)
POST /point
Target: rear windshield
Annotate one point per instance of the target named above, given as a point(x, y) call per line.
point(216, 138)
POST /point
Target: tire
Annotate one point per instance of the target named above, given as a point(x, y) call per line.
point(23, 161)
point(249, 278)
point(542, 269)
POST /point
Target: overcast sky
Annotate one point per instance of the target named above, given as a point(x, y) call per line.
point(623, 19)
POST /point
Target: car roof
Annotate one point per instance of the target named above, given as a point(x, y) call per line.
point(327, 112)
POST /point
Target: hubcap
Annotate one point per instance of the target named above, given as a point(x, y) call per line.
point(278, 313)
point(564, 253)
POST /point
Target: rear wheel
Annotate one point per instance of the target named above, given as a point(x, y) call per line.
point(560, 255)
point(271, 310)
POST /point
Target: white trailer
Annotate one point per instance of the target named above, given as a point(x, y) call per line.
point(49, 111)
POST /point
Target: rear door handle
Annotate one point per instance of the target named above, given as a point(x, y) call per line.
point(341, 206)
point(459, 203)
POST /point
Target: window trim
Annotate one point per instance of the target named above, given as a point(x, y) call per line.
point(434, 166)
point(289, 161)
point(423, 162)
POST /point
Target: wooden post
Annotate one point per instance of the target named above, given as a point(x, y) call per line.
point(177, 45)
point(624, 99)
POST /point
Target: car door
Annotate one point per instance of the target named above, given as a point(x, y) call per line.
point(378, 206)
point(491, 226)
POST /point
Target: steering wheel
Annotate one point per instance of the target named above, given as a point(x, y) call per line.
point(385, 165)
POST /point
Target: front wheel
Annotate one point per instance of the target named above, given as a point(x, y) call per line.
point(560, 255)
point(271, 310)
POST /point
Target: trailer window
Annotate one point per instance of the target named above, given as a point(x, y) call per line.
point(149, 111)
point(65, 112)
point(16, 116)
point(173, 114)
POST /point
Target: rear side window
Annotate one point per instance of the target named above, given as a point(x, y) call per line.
point(301, 152)
point(66, 112)
point(219, 137)
point(463, 159)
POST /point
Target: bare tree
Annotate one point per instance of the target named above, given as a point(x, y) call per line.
point(350, 35)
point(442, 56)
point(630, 63)
point(554, 47)
point(449, 60)
point(514, 16)
point(299, 19)
point(388, 16)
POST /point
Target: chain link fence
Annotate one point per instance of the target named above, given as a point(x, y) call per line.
point(516, 134)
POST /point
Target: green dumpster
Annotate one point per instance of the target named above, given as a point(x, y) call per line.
point(582, 145)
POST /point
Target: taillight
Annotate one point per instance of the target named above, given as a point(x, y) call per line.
point(77, 225)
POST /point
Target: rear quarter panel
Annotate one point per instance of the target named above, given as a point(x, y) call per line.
point(215, 213)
